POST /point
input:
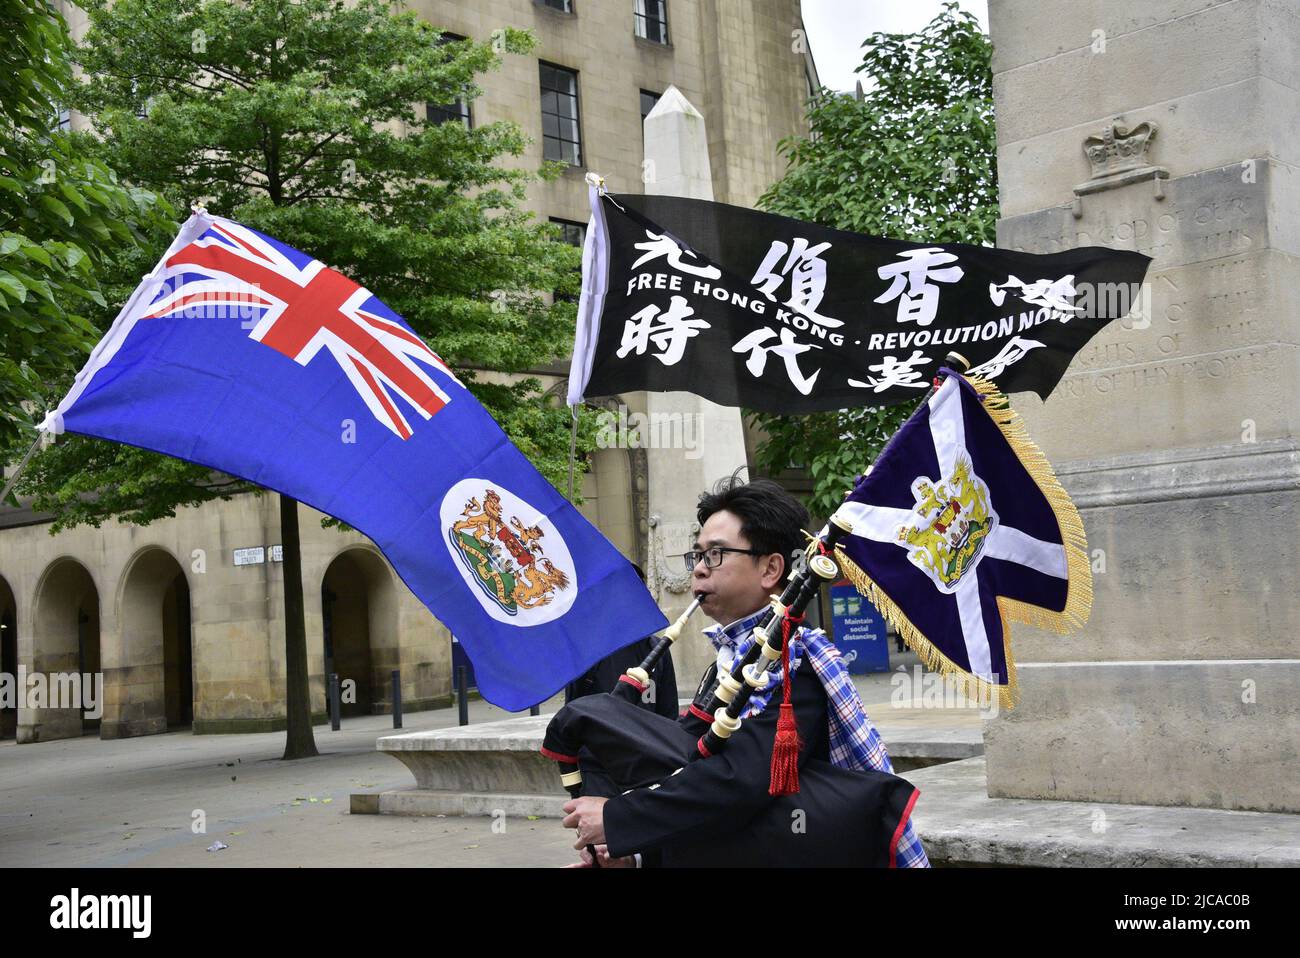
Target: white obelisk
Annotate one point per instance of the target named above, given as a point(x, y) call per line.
point(677, 164)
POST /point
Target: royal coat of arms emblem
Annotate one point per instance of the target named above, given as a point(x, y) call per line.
point(949, 525)
point(505, 558)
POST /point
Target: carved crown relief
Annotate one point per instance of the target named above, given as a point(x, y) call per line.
point(1119, 157)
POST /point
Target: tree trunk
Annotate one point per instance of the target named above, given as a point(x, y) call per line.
point(299, 740)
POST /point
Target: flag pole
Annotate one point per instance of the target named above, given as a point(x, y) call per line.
point(573, 446)
point(954, 360)
point(22, 464)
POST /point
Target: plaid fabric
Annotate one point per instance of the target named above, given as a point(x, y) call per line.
point(854, 741)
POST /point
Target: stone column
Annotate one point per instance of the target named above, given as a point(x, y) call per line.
point(1171, 128)
point(677, 164)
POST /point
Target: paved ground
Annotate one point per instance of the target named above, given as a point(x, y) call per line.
point(86, 802)
point(903, 707)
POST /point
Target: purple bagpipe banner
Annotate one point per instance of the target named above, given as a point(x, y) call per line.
point(960, 527)
point(243, 354)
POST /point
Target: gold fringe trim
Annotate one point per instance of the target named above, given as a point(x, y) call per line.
point(1078, 602)
point(972, 687)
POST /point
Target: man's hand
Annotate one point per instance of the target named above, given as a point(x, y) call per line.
point(602, 853)
point(587, 815)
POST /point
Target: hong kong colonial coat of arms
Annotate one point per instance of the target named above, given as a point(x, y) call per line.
point(506, 558)
point(950, 523)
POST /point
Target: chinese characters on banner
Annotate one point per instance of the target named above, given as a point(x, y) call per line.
point(751, 309)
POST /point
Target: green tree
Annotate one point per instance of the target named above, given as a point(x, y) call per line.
point(913, 158)
point(306, 119)
point(61, 212)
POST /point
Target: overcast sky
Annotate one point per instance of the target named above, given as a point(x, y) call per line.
point(836, 29)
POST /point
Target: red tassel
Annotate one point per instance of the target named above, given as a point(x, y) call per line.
point(785, 754)
point(785, 750)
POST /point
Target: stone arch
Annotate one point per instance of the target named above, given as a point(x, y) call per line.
point(9, 657)
point(65, 640)
point(152, 677)
point(360, 620)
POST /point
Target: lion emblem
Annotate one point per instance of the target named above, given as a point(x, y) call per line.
point(506, 557)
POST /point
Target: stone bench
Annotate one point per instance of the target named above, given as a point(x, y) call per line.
point(472, 770)
point(959, 824)
point(495, 767)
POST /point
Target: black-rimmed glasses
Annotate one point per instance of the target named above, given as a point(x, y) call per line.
point(713, 556)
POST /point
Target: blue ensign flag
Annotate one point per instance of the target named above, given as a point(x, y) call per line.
point(960, 527)
point(243, 354)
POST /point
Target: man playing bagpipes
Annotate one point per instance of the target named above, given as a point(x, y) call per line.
point(804, 778)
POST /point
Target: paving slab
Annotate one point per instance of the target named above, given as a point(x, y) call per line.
point(960, 825)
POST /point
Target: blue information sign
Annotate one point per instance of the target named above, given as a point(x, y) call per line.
point(859, 630)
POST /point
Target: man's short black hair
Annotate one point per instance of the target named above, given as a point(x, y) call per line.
point(770, 518)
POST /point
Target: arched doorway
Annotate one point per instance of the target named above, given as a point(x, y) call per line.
point(65, 639)
point(178, 654)
point(155, 677)
point(9, 658)
point(359, 617)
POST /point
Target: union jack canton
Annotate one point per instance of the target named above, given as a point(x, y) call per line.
point(297, 306)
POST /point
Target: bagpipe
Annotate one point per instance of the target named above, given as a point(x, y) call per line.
point(854, 817)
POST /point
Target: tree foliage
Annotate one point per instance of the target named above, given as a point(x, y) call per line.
point(306, 119)
point(914, 159)
point(62, 212)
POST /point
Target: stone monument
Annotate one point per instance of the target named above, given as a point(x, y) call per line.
point(1172, 128)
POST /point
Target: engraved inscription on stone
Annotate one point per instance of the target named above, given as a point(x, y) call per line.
point(1204, 217)
point(1219, 366)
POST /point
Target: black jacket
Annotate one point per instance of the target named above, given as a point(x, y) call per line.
point(725, 791)
point(717, 811)
point(603, 676)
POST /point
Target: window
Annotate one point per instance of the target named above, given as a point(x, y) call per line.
point(652, 20)
point(564, 6)
point(560, 139)
point(65, 119)
point(648, 101)
point(573, 233)
point(458, 110)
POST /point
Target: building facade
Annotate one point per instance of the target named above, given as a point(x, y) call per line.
point(183, 619)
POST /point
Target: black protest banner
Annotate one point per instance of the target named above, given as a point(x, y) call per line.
point(751, 309)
